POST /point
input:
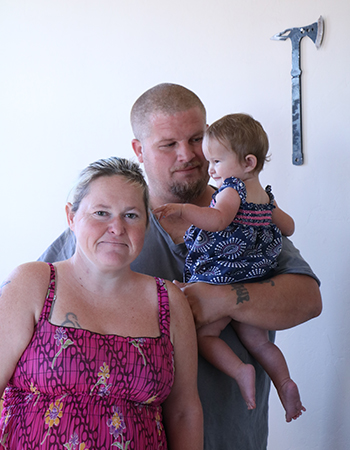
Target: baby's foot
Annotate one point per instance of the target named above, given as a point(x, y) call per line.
point(290, 398)
point(245, 378)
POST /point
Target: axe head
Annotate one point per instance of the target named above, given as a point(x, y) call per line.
point(313, 31)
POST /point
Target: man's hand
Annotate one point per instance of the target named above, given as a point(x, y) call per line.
point(202, 299)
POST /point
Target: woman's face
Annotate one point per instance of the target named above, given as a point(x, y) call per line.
point(110, 223)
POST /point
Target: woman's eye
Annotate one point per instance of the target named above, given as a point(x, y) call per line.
point(131, 215)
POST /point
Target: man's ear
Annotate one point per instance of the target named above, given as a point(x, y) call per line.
point(70, 216)
point(137, 147)
point(250, 162)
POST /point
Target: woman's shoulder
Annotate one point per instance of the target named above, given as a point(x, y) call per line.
point(26, 286)
point(35, 272)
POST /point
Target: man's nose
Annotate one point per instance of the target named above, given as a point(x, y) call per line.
point(185, 151)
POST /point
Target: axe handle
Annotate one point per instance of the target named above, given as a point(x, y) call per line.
point(296, 101)
point(296, 122)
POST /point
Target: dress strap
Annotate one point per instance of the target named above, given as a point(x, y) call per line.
point(163, 303)
point(50, 296)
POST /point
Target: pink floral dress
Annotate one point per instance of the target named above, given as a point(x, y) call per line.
point(74, 389)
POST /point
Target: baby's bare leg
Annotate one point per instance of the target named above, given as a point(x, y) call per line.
point(272, 360)
point(218, 353)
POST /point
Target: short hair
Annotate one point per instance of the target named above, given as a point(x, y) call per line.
point(165, 98)
point(105, 168)
point(244, 135)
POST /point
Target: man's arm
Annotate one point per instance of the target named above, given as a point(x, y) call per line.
point(281, 302)
point(290, 297)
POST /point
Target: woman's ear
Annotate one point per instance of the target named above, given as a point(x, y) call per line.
point(250, 162)
point(70, 215)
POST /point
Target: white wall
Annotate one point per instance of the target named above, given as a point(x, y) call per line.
point(69, 73)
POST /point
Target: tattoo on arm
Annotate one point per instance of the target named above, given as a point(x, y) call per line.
point(241, 292)
point(71, 321)
point(3, 285)
point(268, 281)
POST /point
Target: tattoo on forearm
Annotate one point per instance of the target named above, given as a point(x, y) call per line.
point(71, 321)
point(269, 281)
point(241, 292)
point(3, 285)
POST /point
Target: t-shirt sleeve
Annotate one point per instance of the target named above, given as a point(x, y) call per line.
point(61, 249)
point(291, 261)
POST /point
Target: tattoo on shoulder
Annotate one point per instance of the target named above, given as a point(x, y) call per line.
point(71, 321)
point(3, 285)
point(241, 292)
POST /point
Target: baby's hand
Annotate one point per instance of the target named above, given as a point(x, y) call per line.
point(169, 209)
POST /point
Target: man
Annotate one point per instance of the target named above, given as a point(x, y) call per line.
point(168, 122)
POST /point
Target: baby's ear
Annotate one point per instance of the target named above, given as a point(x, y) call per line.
point(250, 162)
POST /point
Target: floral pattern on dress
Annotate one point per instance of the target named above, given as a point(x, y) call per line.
point(137, 343)
point(33, 392)
point(62, 341)
point(53, 416)
point(116, 427)
point(78, 390)
point(104, 388)
point(74, 442)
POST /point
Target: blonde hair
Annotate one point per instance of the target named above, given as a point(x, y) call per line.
point(244, 135)
point(106, 168)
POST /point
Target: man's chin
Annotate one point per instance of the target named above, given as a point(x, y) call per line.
point(187, 191)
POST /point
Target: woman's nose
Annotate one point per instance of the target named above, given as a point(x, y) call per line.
point(116, 226)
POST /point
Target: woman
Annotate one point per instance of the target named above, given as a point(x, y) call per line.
point(86, 348)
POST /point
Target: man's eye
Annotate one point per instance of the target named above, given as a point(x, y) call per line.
point(101, 213)
point(171, 144)
point(131, 215)
point(198, 139)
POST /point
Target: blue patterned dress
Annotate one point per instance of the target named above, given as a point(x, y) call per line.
point(248, 248)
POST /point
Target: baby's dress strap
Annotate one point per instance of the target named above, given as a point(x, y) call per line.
point(268, 191)
point(163, 304)
point(234, 183)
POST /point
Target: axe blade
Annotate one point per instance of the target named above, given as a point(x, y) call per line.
point(315, 33)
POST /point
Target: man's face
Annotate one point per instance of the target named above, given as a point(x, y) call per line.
point(172, 156)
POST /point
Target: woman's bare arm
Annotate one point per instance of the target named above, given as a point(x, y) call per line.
point(183, 416)
point(22, 297)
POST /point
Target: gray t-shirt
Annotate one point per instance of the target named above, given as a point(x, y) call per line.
point(228, 425)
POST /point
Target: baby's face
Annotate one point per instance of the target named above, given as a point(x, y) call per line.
point(223, 162)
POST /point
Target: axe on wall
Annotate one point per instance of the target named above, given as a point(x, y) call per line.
point(315, 33)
